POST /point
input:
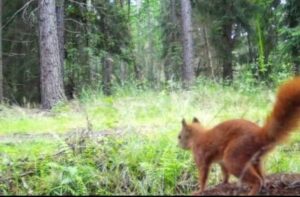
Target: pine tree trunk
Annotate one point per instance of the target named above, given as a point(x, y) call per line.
point(137, 72)
point(150, 62)
point(250, 51)
point(52, 90)
point(208, 50)
point(296, 55)
point(123, 70)
point(128, 10)
point(60, 31)
point(170, 7)
point(228, 42)
point(92, 66)
point(173, 11)
point(188, 74)
point(107, 74)
point(227, 70)
point(1, 61)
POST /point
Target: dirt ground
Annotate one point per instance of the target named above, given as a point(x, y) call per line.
point(275, 184)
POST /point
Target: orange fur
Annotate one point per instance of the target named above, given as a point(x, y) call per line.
point(238, 145)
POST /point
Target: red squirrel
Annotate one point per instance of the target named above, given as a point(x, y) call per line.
point(239, 145)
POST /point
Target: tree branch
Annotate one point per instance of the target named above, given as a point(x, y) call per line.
point(17, 12)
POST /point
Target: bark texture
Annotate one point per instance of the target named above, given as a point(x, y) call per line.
point(60, 15)
point(188, 74)
point(52, 90)
point(107, 74)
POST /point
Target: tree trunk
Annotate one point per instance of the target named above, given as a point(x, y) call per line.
point(250, 51)
point(227, 70)
point(60, 31)
point(252, 59)
point(228, 43)
point(173, 11)
point(92, 67)
point(187, 69)
point(295, 56)
point(150, 62)
point(170, 8)
point(208, 50)
point(138, 72)
point(107, 74)
point(1, 62)
point(123, 70)
point(52, 90)
point(128, 4)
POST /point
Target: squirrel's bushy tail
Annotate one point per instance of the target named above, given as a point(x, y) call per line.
point(286, 112)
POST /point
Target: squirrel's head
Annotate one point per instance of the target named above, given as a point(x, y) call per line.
point(187, 133)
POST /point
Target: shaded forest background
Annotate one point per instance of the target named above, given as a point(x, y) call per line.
point(148, 43)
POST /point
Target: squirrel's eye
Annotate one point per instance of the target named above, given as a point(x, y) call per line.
point(179, 137)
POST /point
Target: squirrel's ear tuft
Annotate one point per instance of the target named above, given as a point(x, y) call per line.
point(183, 122)
point(196, 120)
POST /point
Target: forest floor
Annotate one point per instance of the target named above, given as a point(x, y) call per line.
point(275, 184)
point(127, 144)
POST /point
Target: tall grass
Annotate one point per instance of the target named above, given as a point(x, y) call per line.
point(138, 153)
